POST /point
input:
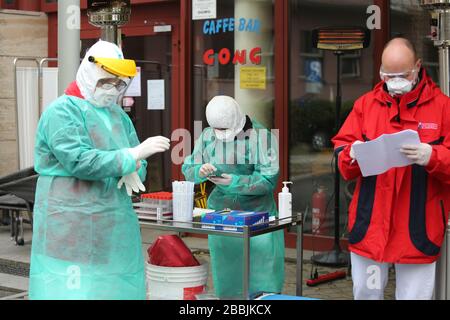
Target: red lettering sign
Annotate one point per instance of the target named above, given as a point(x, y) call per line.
point(224, 56)
point(207, 57)
point(255, 55)
point(240, 57)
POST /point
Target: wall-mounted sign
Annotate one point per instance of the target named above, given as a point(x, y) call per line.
point(211, 27)
point(237, 56)
point(204, 9)
point(253, 78)
point(162, 28)
point(156, 95)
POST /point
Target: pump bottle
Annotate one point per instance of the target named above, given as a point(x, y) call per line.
point(285, 202)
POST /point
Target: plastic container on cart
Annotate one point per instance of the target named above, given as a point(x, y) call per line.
point(183, 207)
point(155, 206)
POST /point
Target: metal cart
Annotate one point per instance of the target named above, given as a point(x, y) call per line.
point(244, 233)
point(17, 193)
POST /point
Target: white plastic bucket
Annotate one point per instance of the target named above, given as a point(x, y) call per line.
point(183, 283)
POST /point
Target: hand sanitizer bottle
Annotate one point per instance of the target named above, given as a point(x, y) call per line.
point(285, 202)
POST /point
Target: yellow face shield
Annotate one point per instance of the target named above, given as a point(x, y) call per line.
point(118, 67)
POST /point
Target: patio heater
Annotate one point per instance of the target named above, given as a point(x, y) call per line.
point(339, 40)
point(440, 34)
point(109, 16)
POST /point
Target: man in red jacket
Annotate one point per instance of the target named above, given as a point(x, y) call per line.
point(400, 216)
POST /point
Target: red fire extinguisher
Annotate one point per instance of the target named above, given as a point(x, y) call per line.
point(319, 214)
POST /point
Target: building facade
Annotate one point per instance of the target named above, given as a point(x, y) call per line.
point(261, 53)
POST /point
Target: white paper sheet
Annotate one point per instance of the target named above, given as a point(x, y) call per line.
point(156, 95)
point(204, 9)
point(134, 89)
point(378, 156)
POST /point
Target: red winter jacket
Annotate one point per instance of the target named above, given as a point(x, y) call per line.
point(399, 216)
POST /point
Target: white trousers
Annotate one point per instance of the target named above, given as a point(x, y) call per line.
point(413, 281)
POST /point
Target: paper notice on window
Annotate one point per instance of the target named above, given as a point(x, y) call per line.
point(134, 89)
point(253, 78)
point(204, 9)
point(382, 154)
point(156, 95)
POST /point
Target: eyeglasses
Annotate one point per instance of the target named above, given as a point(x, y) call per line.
point(385, 76)
point(109, 83)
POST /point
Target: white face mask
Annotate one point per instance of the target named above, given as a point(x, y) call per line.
point(399, 85)
point(106, 98)
point(225, 135)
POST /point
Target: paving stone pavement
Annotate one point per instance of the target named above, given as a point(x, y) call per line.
point(14, 260)
point(336, 290)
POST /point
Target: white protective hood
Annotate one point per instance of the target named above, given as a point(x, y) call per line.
point(224, 112)
point(89, 73)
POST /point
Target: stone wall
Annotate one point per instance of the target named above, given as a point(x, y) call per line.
point(22, 34)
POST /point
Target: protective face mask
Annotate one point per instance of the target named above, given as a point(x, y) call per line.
point(399, 86)
point(225, 135)
point(106, 98)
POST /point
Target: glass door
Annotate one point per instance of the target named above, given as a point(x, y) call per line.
point(151, 111)
point(153, 55)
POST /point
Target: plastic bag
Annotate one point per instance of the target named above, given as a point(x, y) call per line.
point(171, 251)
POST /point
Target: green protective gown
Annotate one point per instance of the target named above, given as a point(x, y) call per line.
point(86, 236)
point(252, 187)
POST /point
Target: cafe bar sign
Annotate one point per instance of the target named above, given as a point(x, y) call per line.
point(226, 56)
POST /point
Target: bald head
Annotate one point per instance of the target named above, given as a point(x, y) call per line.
point(399, 56)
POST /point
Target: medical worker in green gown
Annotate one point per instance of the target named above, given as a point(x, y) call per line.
point(86, 236)
point(240, 157)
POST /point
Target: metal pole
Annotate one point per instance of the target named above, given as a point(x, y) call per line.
point(337, 176)
point(440, 290)
point(442, 279)
point(299, 266)
point(336, 257)
point(444, 259)
point(444, 70)
point(68, 42)
point(110, 34)
point(246, 273)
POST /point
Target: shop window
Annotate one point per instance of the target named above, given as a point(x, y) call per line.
point(351, 65)
point(233, 55)
point(312, 103)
